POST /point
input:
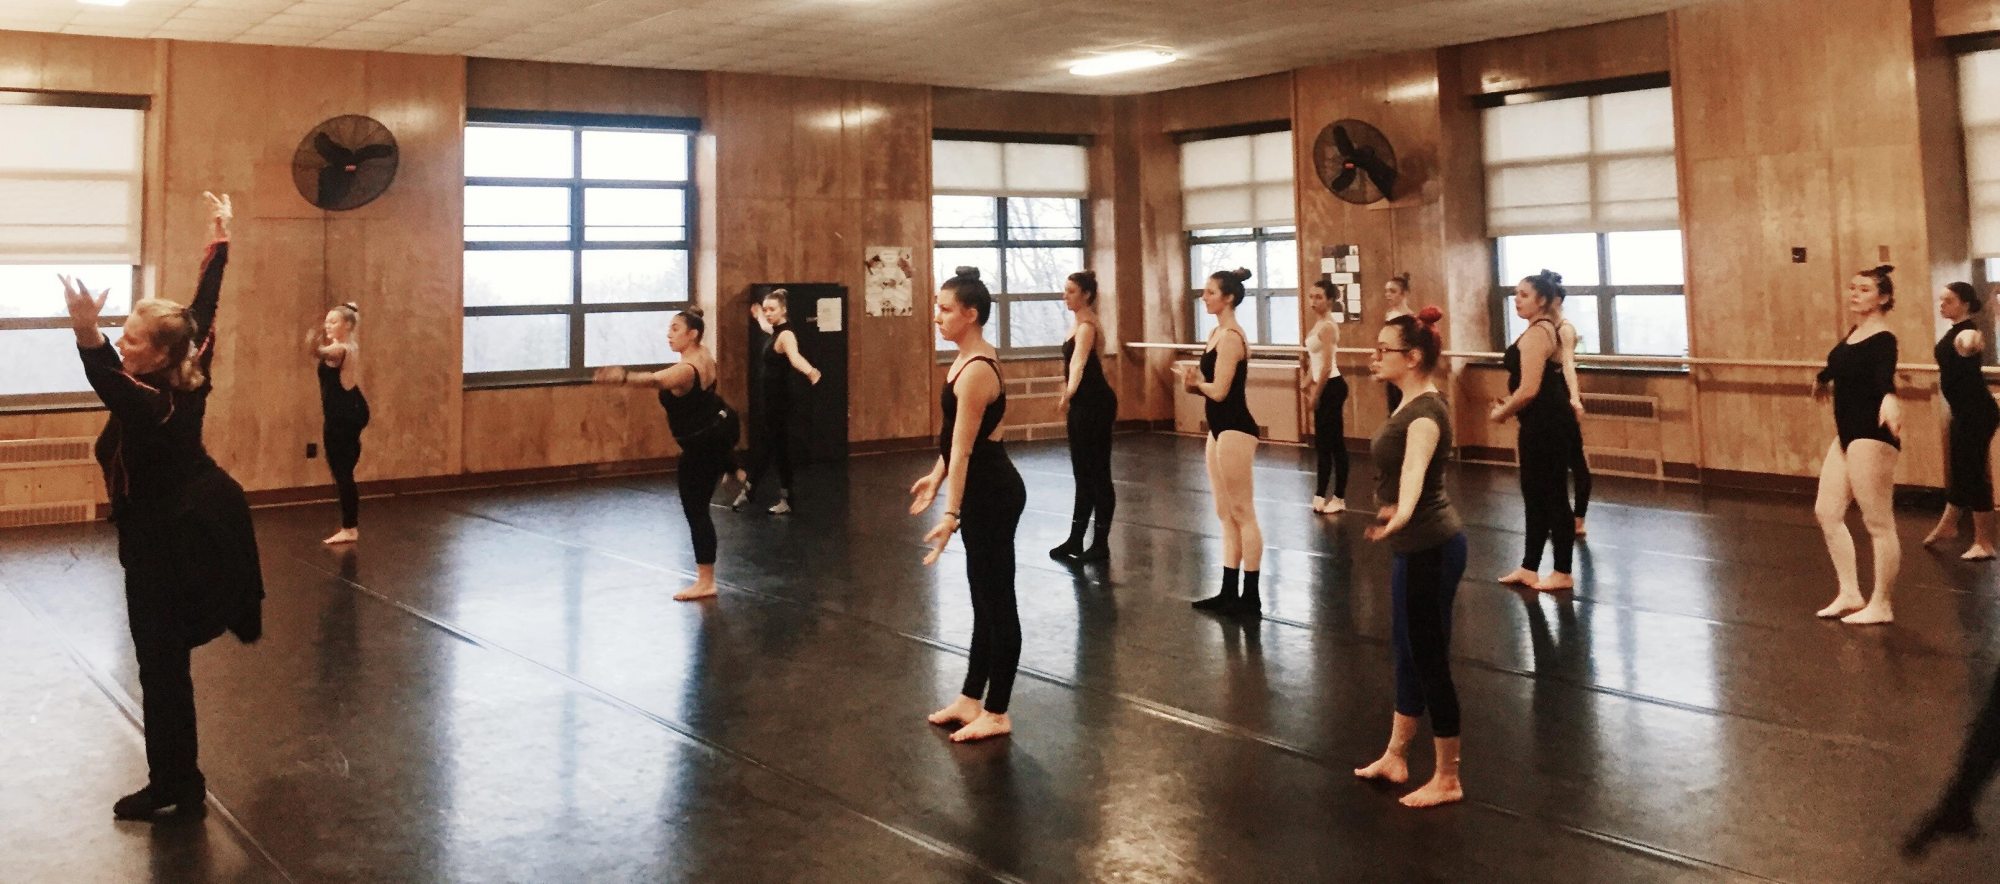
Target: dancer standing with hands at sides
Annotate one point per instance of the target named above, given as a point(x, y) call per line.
point(1327, 391)
point(1540, 396)
point(1579, 464)
point(1423, 530)
point(184, 531)
point(781, 358)
point(338, 354)
point(1860, 465)
point(1974, 417)
point(984, 496)
point(1090, 408)
point(703, 426)
point(1232, 445)
point(1395, 302)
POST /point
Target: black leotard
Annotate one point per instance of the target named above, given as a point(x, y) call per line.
point(994, 499)
point(988, 421)
point(1543, 453)
point(1974, 417)
point(1862, 374)
point(346, 414)
point(1093, 413)
point(706, 431)
point(1233, 411)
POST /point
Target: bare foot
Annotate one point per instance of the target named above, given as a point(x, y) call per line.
point(988, 724)
point(1580, 532)
point(963, 710)
point(1941, 532)
point(1557, 581)
point(1438, 791)
point(1870, 616)
point(1520, 577)
point(700, 589)
point(344, 535)
point(1843, 604)
point(1978, 552)
point(1390, 768)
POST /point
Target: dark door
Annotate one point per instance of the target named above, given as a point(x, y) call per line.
point(819, 413)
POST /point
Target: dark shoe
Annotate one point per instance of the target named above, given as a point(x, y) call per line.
point(1220, 603)
point(1098, 553)
point(1069, 550)
point(146, 804)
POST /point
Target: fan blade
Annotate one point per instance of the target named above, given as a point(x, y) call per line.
point(1342, 143)
point(334, 184)
point(1385, 180)
point(331, 151)
point(1345, 179)
point(375, 152)
point(1373, 165)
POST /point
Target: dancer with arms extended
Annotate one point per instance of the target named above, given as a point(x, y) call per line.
point(1974, 417)
point(781, 359)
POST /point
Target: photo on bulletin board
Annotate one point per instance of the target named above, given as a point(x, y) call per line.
point(1340, 267)
point(888, 291)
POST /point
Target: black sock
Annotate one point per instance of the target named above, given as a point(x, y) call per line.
point(1073, 545)
point(1250, 600)
point(1225, 598)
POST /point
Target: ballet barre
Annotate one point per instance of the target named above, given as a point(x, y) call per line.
point(1581, 358)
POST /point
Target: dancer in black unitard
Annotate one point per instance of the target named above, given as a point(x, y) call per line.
point(1232, 445)
point(1974, 417)
point(1327, 391)
point(703, 426)
point(1540, 395)
point(1860, 464)
point(337, 354)
point(184, 531)
point(984, 496)
point(781, 359)
point(1579, 462)
point(1428, 539)
point(1090, 408)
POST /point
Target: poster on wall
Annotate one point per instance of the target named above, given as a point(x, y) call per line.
point(888, 291)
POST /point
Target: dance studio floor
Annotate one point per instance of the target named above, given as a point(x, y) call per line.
point(495, 687)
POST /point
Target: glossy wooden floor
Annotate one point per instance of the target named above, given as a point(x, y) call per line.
point(495, 687)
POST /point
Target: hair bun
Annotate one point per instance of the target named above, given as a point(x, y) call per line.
point(694, 310)
point(1088, 274)
point(1402, 279)
point(1884, 269)
point(1242, 274)
point(1552, 276)
point(966, 272)
point(352, 306)
point(1430, 315)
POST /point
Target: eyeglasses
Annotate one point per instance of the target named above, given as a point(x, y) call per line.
point(1384, 351)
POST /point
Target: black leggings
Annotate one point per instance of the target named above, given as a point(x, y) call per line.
point(343, 452)
point(994, 499)
point(1330, 435)
point(1980, 757)
point(1422, 585)
point(1545, 463)
point(705, 459)
point(1579, 466)
point(166, 681)
point(777, 444)
point(1090, 422)
point(1969, 474)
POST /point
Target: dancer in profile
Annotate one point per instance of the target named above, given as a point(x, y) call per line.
point(1860, 465)
point(984, 496)
point(1974, 417)
point(1539, 394)
point(1327, 391)
point(1579, 461)
point(1423, 530)
point(702, 425)
point(184, 531)
point(1090, 408)
point(336, 350)
point(781, 359)
point(1232, 445)
point(1395, 302)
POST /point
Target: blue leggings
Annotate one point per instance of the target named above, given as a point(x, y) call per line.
point(1422, 585)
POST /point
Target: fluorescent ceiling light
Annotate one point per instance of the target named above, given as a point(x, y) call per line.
point(1120, 62)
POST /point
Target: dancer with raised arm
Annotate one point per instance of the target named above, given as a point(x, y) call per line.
point(336, 351)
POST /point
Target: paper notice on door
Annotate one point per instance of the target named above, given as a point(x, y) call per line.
point(829, 314)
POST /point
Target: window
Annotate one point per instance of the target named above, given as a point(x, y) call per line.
point(71, 180)
point(1587, 187)
point(1015, 211)
point(1236, 204)
point(1979, 109)
point(577, 234)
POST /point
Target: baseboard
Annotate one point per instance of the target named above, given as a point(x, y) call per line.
point(462, 481)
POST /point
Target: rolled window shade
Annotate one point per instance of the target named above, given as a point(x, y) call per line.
point(1595, 164)
point(1243, 181)
point(991, 168)
point(71, 184)
point(1979, 108)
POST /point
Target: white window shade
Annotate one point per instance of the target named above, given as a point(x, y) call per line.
point(1245, 181)
point(1979, 108)
point(991, 168)
point(1596, 164)
point(71, 182)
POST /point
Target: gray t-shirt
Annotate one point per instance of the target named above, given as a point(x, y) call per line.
point(1434, 521)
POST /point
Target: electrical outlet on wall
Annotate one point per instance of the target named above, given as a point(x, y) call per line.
point(312, 450)
point(1799, 255)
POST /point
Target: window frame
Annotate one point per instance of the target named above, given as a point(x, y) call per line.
point(1605, 293)
point(82, 399)
point(1003, 299)
point(577, 310)
point(1257, 296)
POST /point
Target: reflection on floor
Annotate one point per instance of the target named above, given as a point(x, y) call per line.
point(494, 686)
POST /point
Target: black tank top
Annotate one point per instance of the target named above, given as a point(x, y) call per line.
point(337, 402)
point(695, 411)
point(988, 422)
point(1233, 412)
point(1094, 387)
point(1551, 402)
point(1959, 378)
point(777, 366)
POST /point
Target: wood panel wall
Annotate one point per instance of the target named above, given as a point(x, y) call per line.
point(1557, 58)
point(1957, 18)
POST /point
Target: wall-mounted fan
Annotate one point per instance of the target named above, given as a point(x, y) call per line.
point(345, 163)
point(1356, 162)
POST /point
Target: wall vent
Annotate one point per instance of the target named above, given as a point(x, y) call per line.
point(1610, 405)
point(46, 514)
point(40, 452)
